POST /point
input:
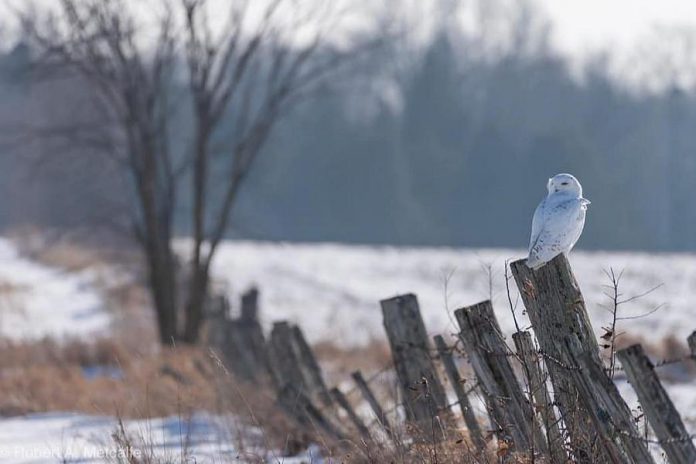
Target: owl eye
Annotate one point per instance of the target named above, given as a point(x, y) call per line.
point(564, 183)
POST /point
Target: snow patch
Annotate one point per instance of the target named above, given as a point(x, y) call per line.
point(38, 301)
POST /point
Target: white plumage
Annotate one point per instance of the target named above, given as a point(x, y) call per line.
point(558, 220)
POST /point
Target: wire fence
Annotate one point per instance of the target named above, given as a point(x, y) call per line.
point(388, 381)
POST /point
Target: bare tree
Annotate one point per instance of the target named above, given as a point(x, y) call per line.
point(242, 76)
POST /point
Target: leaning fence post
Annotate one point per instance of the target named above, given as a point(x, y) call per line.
point(423, 394)
point(540, 394)
point(658, 407)
point(245, 345)
point(310, 367)
point(292, 362)
point(283, 356)
point(608, 411)
point(458, 387)
point(342, 401)
point(374, 404)
point(557, 311)
point(488, 354)
point(299, 407)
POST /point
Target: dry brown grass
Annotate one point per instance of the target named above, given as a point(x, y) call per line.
point(338, 362)
point(48, 376)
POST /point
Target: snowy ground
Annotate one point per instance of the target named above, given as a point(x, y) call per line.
point(333, 291)
point(37, 301)
point(65, 437)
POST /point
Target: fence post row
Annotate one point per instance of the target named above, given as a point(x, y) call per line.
point(598, 421)
point(556, 309)
point(489, 357)
point(240, 341)
point(423, 394)
point(657, 406)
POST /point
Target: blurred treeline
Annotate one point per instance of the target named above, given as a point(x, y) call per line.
point(441, 144)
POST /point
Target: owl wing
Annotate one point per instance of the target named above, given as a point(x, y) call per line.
point(537, 223)
point(561, 226)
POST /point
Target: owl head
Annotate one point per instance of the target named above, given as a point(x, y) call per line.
point(564, 184)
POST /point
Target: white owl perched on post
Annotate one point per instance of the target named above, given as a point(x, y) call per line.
point(558, 220)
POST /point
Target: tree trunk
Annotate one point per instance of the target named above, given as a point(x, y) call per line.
point(161, 274)
point(195, 304)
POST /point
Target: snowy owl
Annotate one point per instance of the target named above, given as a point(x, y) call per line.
point(558, 220)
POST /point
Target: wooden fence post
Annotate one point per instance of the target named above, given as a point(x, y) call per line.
point(424, 398)
point(311, 371)
point(488, 354)
point(292, 362)
point(246, 349)
point(608, 411)
point(298, 406)
point(557, 311)
point(217, 315)
point(250, 305)
point(540, 394)
point(239, 341)
point(659, 409)
point(283, 356)
point(458, 387)
point(374, 404)
point(342, 401)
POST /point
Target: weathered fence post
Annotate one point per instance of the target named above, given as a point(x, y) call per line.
point(657, 406)
point(342, 401)
point(458, 387)
point(245, 344)
point(250, 305)
point(374, 404)
point(488, 354)
point(423, 395)
point(310, 367)
point(562, 327)
point(293, 362)
point(540, 394)
point(298, 406)
point(217, 315)
point(283, 356)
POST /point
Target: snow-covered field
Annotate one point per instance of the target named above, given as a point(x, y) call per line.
point(333, 291)
point(66, 437)
point(37, 301)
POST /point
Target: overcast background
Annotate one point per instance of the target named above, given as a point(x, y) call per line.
point(446, 137)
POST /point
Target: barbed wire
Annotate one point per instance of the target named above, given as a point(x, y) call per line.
point(455, 349)
point(653, 441)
